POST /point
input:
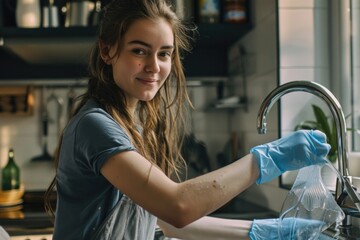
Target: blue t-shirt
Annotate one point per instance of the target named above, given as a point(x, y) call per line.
point(85, 197)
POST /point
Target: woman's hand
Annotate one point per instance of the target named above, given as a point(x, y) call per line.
point(299, 149)
point(288, 228)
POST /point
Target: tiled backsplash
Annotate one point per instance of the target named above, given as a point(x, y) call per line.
point(24, 133)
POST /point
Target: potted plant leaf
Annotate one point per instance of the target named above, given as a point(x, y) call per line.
point(324, 124)
point(327, 125)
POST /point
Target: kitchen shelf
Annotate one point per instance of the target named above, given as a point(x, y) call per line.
point(64, 52)
point(16, 101)
point(228, 103)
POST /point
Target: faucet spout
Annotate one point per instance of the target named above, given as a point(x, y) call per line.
point(331, 101)
point(336, 110)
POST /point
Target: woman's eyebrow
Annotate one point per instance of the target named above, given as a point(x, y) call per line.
point(148, 45)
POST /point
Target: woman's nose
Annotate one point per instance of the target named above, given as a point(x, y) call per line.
point(152, 64)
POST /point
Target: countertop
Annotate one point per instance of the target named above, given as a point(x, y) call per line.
point(28, 218)
point(32, 218)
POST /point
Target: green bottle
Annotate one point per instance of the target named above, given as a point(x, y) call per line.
point(10, 174)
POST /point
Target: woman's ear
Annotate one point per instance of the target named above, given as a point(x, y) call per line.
point(105, 52)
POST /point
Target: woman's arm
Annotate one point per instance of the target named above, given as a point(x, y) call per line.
point(182, 203)
point(209, 228)
point(178, 203)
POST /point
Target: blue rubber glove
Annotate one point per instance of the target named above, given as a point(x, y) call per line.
point(299, 149)
point(287, 229)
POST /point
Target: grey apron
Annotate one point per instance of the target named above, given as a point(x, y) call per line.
point(127, 221)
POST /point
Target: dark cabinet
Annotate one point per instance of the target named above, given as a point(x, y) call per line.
point(43, 53)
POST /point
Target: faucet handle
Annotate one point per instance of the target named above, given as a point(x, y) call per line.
point(349, 192)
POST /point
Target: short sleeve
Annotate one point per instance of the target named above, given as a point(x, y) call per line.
point(98, 137)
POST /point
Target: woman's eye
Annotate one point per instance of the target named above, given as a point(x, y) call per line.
point(139, 51)
point(165, 54)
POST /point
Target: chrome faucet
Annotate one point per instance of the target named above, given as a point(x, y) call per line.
point(346, 190)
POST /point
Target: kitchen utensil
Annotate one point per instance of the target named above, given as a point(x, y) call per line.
point(45, 156)
point(50, 15)
point(78, 13)
point(59, 102)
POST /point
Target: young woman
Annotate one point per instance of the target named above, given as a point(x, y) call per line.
point(119, 152)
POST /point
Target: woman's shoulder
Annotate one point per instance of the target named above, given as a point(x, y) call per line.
point(93, 112)
point(93, 118)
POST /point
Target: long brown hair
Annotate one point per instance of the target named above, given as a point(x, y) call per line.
point(162, 119)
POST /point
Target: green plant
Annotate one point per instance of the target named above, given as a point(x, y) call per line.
point(324, 124)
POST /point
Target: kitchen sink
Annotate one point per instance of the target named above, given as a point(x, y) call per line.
point(241, 209)
point(247, 216)
point(352, 230)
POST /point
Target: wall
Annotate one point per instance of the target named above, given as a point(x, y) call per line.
point(304, 55)
point(261, 76)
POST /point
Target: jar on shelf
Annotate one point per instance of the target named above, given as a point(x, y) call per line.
point(209, 11)
point(28, 13)
point(234, 11)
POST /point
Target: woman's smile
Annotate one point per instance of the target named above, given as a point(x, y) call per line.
point(148, 81)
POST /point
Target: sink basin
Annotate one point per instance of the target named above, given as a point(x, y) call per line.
point(353, 230)
point(349, 233)
point(246, 216)
point(241, 209)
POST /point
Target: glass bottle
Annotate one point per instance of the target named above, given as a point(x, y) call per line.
point(209, 11)
point(234, 11)
point(10, 174)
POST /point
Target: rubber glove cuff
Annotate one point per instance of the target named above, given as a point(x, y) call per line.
point(267, 168)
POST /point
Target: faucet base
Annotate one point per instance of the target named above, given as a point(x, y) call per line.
point(343, 233)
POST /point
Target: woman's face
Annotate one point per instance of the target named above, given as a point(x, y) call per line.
point(144, 61)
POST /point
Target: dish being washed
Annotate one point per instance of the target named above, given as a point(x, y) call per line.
point(309, 199)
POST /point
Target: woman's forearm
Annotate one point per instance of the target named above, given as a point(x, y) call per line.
point(209, 228)
point(220, 186)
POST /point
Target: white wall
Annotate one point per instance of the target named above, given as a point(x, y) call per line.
point(261, 74)
point(304, 55)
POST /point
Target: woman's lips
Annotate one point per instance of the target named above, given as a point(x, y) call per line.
point(147, 81)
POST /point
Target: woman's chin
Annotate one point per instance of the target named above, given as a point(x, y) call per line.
point(147, 97)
